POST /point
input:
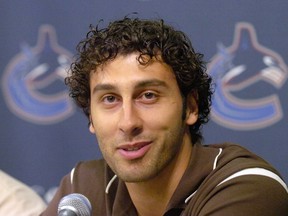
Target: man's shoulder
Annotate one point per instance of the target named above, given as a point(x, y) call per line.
point(90, 174)
point(91, 164)
point(239, 179)
point(90, 169)
point(230, 153)
point(235, 163)
point(233, 158)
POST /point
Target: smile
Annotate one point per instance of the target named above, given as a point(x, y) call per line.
point(134, 151)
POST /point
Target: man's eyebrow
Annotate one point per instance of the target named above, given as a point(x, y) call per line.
point(151, 82)
point(140, 84)
point(103, 87)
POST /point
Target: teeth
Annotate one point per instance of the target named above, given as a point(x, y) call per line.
point(132, 149)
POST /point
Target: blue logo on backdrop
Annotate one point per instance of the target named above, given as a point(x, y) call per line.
point(33, 81)
point(246, 75)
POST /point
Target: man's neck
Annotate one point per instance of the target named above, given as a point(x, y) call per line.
point(152, 197)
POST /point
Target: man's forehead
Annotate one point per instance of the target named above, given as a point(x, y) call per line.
point(126, 69)
point(141, 58)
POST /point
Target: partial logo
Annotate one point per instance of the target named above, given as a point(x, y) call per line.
point(33, 82)
point(247, 75)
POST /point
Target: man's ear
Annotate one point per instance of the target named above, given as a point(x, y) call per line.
point(91, 126)
point(191, 108)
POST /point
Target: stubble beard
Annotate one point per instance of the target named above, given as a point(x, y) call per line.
point(151, 165)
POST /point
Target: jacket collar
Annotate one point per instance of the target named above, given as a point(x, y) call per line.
point(200, 165)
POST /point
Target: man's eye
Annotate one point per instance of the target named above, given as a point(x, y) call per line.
point(149, 95)
point(109, 99)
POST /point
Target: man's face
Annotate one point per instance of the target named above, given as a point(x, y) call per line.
point(136, 114)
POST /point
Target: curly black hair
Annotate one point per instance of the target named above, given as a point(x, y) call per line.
point(149, 38)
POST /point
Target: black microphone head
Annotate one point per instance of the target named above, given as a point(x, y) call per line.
point(76, 204)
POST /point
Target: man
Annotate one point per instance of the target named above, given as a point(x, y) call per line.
point(146, 94)
point(17, 198)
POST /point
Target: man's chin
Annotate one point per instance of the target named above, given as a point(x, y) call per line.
point(136, 177)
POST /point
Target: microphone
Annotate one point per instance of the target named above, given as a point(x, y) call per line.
point(74, 204)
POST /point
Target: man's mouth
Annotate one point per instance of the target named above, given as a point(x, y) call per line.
point(134, 151)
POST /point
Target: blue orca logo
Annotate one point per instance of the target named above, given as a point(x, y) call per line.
point(237, 71)
point(33, 81)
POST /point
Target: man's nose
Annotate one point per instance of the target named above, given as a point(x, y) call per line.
point(130, 121)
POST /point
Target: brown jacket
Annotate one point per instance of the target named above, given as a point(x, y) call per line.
point(221, 180)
